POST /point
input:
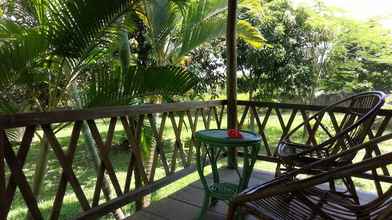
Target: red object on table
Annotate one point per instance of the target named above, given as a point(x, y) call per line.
point(234, 133)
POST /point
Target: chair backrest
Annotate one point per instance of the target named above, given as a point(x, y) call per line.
point(358, 119)
point(375, 168)
point(382, 207)
point(379, 170)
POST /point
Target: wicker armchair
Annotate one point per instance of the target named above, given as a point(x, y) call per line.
point(352, 130)
point(322, 141)
point(288, 197)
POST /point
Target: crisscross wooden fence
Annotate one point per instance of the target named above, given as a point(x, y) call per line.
point(287, 116)
point(271, 120)
point(131, 120)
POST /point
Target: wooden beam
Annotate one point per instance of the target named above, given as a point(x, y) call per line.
point(36, 118)
point(125, 199)
point(231, 64)
point(231, 45)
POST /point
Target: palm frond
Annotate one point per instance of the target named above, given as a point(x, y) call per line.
point(118, 88)
point(204, 20)
point(38, 10)
point(250, 34)
point(76, 26)
point(9, 30)
point(253, 7)
point(9, 107)
point(18, 55)
point(22, 11)
point(160, 18)
point(182, 4)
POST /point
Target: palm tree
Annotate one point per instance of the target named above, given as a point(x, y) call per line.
point(45, 55)
point(174, 27)
point(45, 46)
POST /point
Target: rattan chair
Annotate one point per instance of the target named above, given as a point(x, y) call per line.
point(290, 198)
point(314, 139)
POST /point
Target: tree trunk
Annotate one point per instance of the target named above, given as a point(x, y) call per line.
point(40, 169)
point(149, 162)
point(93, 154)
point(125, 53)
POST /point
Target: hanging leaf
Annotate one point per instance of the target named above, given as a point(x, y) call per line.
point(77, 26)
point(253, 7)
point(19, 54)
point(118, 88)
point(250, 34)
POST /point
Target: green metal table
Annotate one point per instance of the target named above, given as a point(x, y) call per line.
point(210, 144)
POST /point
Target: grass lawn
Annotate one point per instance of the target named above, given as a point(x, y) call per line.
point(86, 174)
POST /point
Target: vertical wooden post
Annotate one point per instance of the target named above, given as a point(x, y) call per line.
point(231, 75)
point(2, 176)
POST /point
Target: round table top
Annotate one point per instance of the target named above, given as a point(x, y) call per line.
point(219, 136)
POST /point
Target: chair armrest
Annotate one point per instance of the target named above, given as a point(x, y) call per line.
point(278, 180)
point(298, 145)
point(288, 183)
point(294, 150)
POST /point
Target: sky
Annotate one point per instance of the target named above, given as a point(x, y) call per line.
point(361, 9)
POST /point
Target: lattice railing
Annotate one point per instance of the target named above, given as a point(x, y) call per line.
point(172, 153)
point(176, 122)
point(274, 120)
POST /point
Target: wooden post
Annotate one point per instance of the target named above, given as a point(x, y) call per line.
point(231, 75)
point(2, 176)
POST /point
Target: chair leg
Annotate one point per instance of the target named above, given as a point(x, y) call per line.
point(351, 189)
point(332, 186)
point(231, 212)
point(277, 170)
point(213, 202)
point(287, 167)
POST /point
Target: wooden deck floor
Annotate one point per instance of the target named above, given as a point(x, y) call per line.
point(185, 204)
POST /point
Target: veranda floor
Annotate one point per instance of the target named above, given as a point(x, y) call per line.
point(185, 204)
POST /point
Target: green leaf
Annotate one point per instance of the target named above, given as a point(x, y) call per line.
point(254, 7)
point(250, 34)
point(203, 21)
point(9, 30)
point(77, 26)
point(161, 17)
point(9, 107)
point(118, 88)
point(18, 55)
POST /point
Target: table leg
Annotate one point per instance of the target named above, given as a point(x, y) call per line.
point(249, 162)
point(214, 157)
point(200, 170)
point(204, 207)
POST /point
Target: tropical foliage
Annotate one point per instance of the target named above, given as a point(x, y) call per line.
point(311, 50)
point(88, 53)
point(287, 65)
point(360, 58)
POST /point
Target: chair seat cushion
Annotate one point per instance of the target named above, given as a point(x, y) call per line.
point(309, 204)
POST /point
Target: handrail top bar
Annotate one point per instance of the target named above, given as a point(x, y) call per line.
point(381, 112)
point(37, 118)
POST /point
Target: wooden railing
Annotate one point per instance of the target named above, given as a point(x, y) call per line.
point(274, 120)
point(177, 121)
point(181, 119)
